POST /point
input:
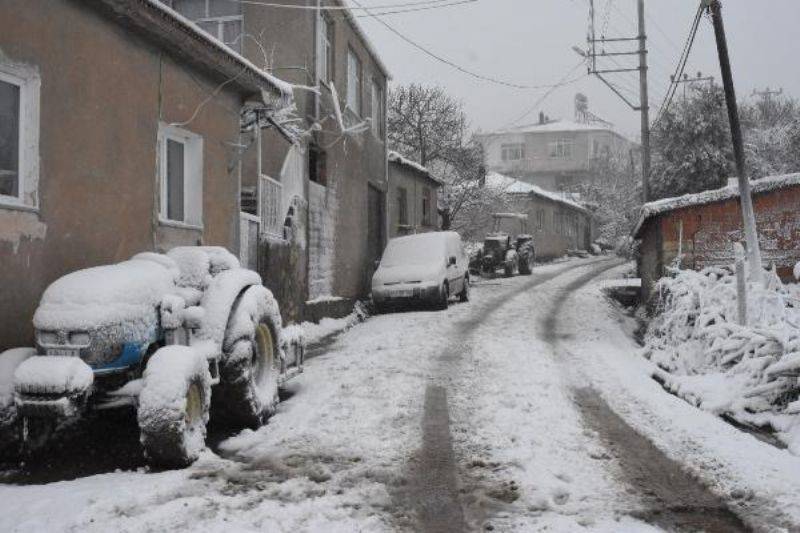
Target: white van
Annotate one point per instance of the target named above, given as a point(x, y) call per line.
point(427, 267)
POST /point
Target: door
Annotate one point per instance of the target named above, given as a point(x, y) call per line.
point(375, 228)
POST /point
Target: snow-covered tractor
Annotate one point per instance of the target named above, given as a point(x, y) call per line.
point(502, 251)
point(157, 332)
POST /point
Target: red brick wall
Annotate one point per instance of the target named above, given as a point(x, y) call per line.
point(709, 231)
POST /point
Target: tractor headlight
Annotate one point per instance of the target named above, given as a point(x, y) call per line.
point(47, 337)
point(79, 338)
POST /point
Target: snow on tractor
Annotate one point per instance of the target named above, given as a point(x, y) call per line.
point(156, 332)
point(501, 251)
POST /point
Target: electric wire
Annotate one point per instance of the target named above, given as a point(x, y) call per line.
point(681, 66)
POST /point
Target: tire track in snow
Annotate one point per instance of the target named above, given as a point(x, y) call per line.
point(433, 487)
point(675, 500)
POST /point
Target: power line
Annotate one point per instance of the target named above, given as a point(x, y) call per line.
point(343, 8)
point(450, 63)
point(681, 66)
point(565, 80)
point(415, 9)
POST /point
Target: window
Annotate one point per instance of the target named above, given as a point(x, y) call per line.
point(377, 110)
point(19, 135)
point(402, 206)
point(540, 219)
point(270, 205)
point(561, 149)
point(325, 48)
point(427, 200)
point(513, 152)
point(221, 19)
point(181, 176)
point(353, 82)
point(9, 139)
point(317, 165)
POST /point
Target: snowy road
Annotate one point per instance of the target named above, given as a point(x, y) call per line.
point(527, 409)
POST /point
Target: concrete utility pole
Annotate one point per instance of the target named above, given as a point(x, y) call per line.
point(644, 104)
point(748, 215)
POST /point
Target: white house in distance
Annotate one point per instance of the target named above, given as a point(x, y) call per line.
point(552, 154)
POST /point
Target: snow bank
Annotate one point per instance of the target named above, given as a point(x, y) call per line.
point(53, 374)
point(749, 372)
point(109, 294)
point(309, 333)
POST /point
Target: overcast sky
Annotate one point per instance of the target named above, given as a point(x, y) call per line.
point(529, 42)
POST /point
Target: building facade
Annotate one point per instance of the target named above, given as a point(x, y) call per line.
point(557, 223)
point(110, 144)
point(703, 228)
point(315, 186)
point(553, 155)
point(413, 197)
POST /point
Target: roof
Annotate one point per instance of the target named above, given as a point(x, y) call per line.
point(514, 186)
point(764, 185)
point(398, 158)
point(171, 30)
point(555, 126)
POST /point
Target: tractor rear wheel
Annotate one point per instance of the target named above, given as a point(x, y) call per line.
point(248, 390)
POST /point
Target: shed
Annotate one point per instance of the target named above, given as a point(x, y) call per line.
point(704, 226)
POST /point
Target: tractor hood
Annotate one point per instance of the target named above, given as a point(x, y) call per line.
point(122, 293)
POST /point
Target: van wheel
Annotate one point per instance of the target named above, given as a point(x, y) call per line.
point(464, 295)
point(444, 297)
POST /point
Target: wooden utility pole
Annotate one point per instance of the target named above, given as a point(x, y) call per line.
point(748, 215)
point(644, 104)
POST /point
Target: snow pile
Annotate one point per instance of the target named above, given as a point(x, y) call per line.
point(748, 372)
point(9, 360)
point(53, 374)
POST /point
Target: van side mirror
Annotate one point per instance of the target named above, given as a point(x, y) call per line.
point(452, 261)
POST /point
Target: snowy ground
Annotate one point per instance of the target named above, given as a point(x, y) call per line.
point(524, 376)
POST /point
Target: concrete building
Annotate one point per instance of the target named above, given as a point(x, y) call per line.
point(703, 227)
point(413, 197)
point(119, 133)
point(314, 197)
point(554, 155)
point(558, 223)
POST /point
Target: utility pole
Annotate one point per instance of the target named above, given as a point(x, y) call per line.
point(644, 104)
point(748, 215)
point(766, 98)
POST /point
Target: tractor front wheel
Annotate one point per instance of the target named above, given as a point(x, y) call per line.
point(174, 406)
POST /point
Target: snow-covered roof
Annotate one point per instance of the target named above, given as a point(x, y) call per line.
point(511, 185)
point(555, 126)
point(665, 205)
point(400, 159)
point(151, 15)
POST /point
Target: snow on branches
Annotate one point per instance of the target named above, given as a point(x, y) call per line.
point(747, 372)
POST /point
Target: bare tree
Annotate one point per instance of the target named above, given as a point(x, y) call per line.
point(427, 124)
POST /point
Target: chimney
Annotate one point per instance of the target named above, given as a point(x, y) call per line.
point(541, 117)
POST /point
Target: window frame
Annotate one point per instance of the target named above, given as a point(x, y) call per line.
point(326, 59)
point(192, 176)
point(379, 121)
point(427, 202)
point(506, 150)
point(358, 91)
point(29, 84)
point(563, 148)
point(219, 20)
point(270, 206)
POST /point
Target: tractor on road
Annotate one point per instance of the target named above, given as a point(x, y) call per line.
point(511, 252)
